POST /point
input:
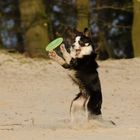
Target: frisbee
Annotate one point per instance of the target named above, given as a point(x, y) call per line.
point(54, 44)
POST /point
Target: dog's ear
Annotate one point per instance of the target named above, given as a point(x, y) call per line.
point(69, 35)
point(87, 32)
point(76, 32)
point(72, 32)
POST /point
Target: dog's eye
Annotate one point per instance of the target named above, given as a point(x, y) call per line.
point(81, 43)
point(73, 45)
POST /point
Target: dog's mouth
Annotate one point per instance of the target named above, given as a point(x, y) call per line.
point(78, 51)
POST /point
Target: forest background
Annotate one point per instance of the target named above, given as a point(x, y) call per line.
point(28, 26)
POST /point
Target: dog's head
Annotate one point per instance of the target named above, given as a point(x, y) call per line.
point(81, 46)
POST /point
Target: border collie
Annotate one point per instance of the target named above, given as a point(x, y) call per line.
point(83, 70)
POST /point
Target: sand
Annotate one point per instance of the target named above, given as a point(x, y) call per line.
point(35, 96)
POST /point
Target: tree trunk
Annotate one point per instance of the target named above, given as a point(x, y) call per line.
point(136, 28)
point(82, 14)
point(104, 50)
point(35, 27)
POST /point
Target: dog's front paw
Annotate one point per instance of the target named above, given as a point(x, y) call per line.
point(66, 55)
point(62, 48)
point(54, 56)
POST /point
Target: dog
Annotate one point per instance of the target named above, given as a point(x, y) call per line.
point(82, 66)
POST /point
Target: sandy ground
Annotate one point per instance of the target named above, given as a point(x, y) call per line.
point(35, 96)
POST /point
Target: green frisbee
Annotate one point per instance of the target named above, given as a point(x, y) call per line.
point(54, 44)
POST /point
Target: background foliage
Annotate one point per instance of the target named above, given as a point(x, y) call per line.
point(27, 26)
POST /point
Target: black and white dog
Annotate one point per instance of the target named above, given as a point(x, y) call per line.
point(83, 71)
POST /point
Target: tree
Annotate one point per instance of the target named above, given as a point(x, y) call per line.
point(114, 22)
point(82, 14)
point(35, 27)
point(136, 28)
point(103, 17)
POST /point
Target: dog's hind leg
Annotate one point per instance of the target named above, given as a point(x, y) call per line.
point(72, 110)
point(86, 109)
point(73, 107)
point(77, 106)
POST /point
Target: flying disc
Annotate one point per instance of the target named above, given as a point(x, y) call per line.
point(54, 44)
